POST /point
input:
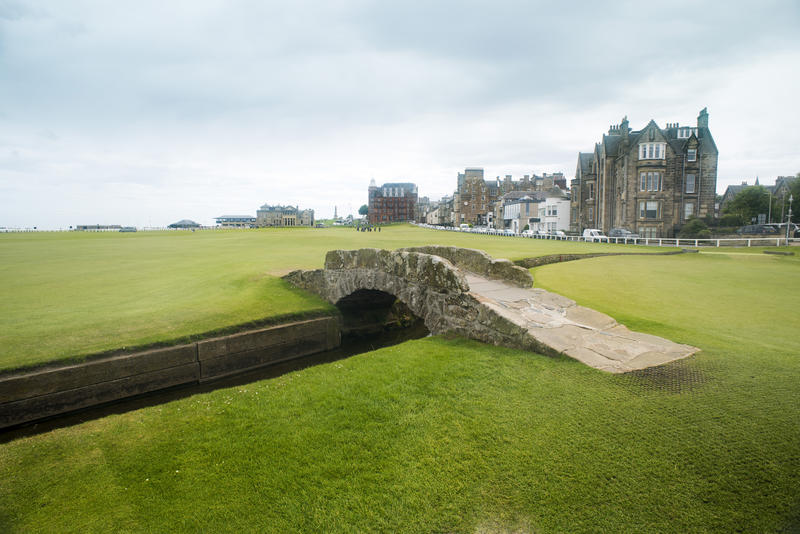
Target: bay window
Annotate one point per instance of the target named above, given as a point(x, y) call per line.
point(650, 181)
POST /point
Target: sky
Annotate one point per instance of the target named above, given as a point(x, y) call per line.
point(145, 112)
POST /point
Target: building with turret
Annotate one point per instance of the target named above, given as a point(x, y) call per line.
point(649, 181)
point(391, 202)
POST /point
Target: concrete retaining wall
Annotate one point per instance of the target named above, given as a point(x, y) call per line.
point(32, 395)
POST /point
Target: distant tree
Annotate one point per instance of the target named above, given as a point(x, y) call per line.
point(695, 228)
point(527, 227)
point(783, 203)
point(363, 210)
point(749, 202)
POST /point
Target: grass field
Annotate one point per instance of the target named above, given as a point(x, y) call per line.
point(66, 295)
point(443, 435)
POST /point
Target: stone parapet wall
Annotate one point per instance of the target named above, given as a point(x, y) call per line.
point(478, 262)
point(538, 261)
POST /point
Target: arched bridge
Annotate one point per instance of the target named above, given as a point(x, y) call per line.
point(466, 292)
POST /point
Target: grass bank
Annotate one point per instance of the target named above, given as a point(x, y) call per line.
point(443, 435)
point(69, 294)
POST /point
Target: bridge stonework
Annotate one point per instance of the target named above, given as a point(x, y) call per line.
point(467, 293)
point(431, 286)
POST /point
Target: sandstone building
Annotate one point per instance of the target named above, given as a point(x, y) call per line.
point(474, 197)
point(284, 216)
point(649, 181)
point(391, 202)
point(477, 201)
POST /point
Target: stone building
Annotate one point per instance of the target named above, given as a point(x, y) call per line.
point(284, 216)
point(474, 197)
point(442, 214)
point(423, 207)
point(391, 202)
point(519, 212)
point(477, 200)
point(649, 181)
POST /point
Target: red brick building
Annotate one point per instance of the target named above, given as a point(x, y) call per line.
point(391, 202)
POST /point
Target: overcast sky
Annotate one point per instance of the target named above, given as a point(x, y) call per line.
point(146, 112)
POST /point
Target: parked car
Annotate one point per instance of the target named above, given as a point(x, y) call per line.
point(758, 229)
point(794, 230)
point(593, 235)
point(557, 233)
point(623, 233)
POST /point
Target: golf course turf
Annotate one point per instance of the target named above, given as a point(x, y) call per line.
point(450, 435)
point(70, 294)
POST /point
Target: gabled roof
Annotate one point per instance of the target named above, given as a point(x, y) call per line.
point(585, 161)
point(734, 190)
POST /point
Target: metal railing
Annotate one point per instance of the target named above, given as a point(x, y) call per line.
point(652, 242)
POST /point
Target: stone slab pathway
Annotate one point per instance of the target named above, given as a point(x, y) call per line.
point(587, 335)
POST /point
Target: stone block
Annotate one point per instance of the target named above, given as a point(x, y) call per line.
point(37, 407)
point(50, 380)
point(263, 338)
point(231, 363)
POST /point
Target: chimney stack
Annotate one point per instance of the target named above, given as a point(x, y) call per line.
point(702, 119)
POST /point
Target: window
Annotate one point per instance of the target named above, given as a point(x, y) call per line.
point(591, 191)
point(688, 210)
point(649, 209)
point(648, 232)
point(686, 132)
point(650, 181)
point(652, 151)
point(691, 154)
point(690, 183)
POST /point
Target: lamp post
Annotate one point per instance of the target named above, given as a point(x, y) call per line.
point(789, 219)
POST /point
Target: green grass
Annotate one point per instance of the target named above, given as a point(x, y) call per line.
point(443, 435)
point(67, 295)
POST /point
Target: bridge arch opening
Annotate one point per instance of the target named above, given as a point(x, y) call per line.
point(368, 311)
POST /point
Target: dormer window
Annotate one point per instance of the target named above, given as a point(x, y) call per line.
point(686, 132)
point(691, 154)
point(652, 151)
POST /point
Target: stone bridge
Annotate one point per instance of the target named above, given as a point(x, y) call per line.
point(467, 293)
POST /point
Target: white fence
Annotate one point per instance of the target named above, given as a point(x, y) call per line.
point(652, 242)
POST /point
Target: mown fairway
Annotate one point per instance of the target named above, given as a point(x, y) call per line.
point(70, 294)
point(454, 436)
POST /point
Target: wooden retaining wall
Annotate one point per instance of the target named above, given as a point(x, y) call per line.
point(32, 395)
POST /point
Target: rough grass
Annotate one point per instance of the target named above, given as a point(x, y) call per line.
point(66, 295)
point(443, 435)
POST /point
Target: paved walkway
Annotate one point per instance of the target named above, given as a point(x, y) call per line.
point(589, 336)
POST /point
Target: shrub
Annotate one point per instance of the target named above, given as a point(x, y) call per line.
point(731, 219)
point(695, 228)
